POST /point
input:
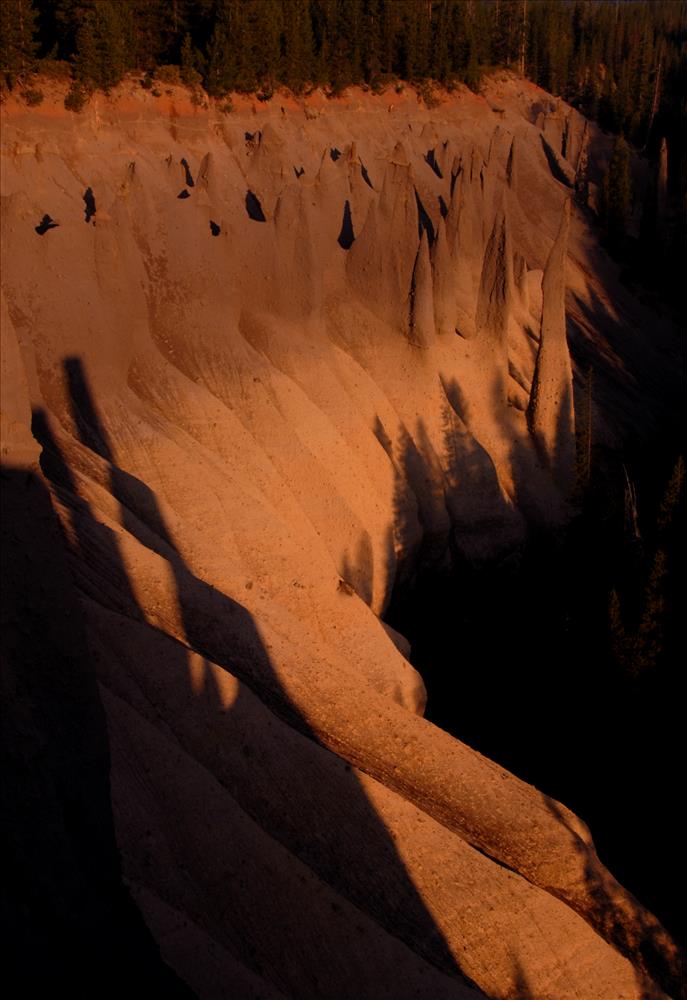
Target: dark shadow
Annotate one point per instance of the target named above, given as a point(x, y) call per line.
point(443, 207)
point(431, 161)
point(214, 228)
point(346, 236)
point(187, 172)
point(554, 165)
point(69, 923)
point(184, 194)
point(249, 136)
point(357, 571)
point(45, 224)
point(549, 677)
point(639, 937)
point(353, 853)
point(335, 153)
point(366, 176)
point(424, 221)
point(454, 179)
point(89, 201)
point(299, 171)
point(254, 208)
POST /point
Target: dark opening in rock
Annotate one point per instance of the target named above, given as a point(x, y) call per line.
point(214, 228)
point(346, 236)
point(334, 153)
point(45, 224)
point(187, 171)
point(299, 171)
point(89, 201)
point(366, 176)
point(431, 160)
point(254, 208)
point(424, 222)
point(184, 194)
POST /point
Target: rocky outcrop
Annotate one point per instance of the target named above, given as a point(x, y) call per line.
point(443, 280)
point(495, 295)
point(380, 263)
point(247, 440)
point(421, 299)
point(550, 414)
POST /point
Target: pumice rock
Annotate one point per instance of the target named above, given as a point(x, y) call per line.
point(234, 427)
point(550, 413)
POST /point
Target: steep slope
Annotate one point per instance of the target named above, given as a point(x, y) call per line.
point(267, 379)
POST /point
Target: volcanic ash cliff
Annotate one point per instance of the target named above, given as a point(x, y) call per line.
point(257, 366)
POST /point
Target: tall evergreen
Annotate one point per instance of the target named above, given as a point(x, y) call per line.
point(18, 46)
point(616, 193)
point(298, 45)
point(102, 56)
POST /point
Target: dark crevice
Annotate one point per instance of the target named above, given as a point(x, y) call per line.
point(346, 236)
point(424, 221)
point(431, 161)
point(454, 178)
point(299, 171)
point(45, 224)
point(366, 176)
point(214, 228)
point(187, 171)
point(443, 207)
point(89, 201)
point(335, 153)
point(254, 208)
point(554, 166)
point(184, 194)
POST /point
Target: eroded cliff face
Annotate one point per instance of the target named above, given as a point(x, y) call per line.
point(272, 358)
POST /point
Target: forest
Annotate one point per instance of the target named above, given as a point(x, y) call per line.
point(620, 62)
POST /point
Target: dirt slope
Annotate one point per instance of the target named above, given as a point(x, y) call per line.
point(293, 351)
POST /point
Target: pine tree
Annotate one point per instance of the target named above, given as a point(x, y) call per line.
point(220, 74)
point(616, 192)
point(188, 68)
point(298, 46)
point(18, 44)
point(101, 53)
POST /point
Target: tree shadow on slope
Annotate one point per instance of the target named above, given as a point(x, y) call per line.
point(515, 656)
point(373, 876)
point(69, 921)
point(636, 935)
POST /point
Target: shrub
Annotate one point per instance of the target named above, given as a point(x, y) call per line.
point(55, 69)
point(197, 97)
point(426, 92)
point(266, 95)
point(76, 99)
point(33, 97)
point(226, 107)
point(156, 92)
point(147, 82)
point(168, 74)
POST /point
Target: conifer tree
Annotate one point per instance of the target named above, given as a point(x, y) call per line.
point(101, 53)
point(220, 75)
point(616, 192)
point(18, 44)
point(188, 63)
point(298, 46)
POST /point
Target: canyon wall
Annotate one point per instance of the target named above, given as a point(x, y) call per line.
point(274, 359)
